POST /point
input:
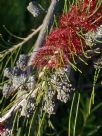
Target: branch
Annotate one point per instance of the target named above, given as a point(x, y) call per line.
point(6, 52)
point(42, 34)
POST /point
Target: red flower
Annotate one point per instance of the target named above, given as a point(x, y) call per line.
point(83, 16)
point(50, 56)
point(66, 40)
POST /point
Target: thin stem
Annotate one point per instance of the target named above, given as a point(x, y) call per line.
point(6, 52)
point(69, 124)
point(76, 115)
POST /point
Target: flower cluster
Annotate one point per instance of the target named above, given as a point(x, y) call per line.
point(5, 129)
point(22, 81)
point(20, 77)
point(2, 129)
point(67, 40)
point(94, 38)
point(50, 103)
point(60, 89)
point(98, 63)
point(64, 87)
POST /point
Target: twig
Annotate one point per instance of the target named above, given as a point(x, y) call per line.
point(6, 52)
point(43, 31)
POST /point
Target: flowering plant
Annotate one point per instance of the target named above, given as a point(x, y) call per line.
point(42, 82)
point(68, 39)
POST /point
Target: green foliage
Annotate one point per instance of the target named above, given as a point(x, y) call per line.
point(12, 15)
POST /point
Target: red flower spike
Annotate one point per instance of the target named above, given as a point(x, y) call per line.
point(43, 56)
point(60, 40)
point(66, 39)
